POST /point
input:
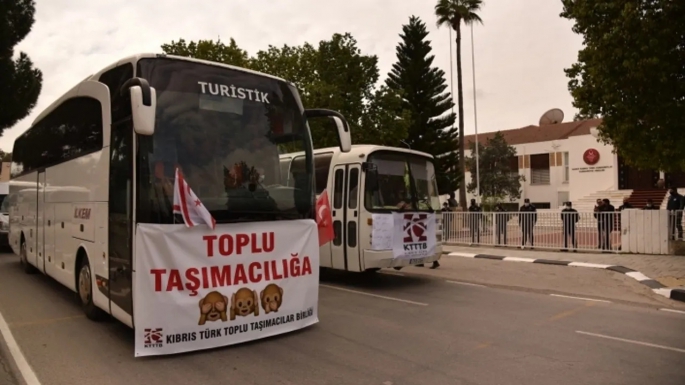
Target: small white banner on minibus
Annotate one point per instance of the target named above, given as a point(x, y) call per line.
point(413, 235)
point(197, 289)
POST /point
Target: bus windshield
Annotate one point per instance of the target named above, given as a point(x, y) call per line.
point(405, 182)
point(225, 130)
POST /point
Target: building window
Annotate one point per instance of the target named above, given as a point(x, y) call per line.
point(566, 168)
point(539, 169)
point(514, 166)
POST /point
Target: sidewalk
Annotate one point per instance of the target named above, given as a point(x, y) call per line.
point(667, 269)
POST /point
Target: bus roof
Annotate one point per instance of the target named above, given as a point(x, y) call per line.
point(134, 58)
point(359, 151)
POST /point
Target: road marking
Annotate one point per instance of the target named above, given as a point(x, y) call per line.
point(465, 283)
point(27, 373)
point(392, 273)
point(673, 311)
point(458, 254)
point(517, 259)
point(375, 295)
point(483, 346)
point(584, 299)
point(585, 264)
point(46, 321)
point(568, 313)
point(632, 342)
point(638, 276)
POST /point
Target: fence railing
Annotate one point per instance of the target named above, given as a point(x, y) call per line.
point(628, 231)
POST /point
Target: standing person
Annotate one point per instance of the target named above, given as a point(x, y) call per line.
point(675, 213)
point(451, 202)
point(605, 221)
point(597, 208)
point(474, 221)
point(528, 217)
point(626, 205)
point(569, 218)
point(501, 219)
point(650, 205)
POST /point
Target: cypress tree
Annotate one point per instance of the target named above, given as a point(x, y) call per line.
point(423, 87)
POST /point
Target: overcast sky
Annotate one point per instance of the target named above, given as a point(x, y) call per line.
point(521, 49)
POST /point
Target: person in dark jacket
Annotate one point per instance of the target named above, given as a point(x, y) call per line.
point(475, 213)
point(528, 217)
point(626, 205)
point(569, 219)
point(675, 213)
point(501, 219)
point(605, 220)
point(650, 205)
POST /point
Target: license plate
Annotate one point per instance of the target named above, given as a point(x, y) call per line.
point(416, 261)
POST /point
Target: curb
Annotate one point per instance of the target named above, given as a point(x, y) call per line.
point(677, 294)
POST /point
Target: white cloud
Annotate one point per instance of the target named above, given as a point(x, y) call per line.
point(521, 50)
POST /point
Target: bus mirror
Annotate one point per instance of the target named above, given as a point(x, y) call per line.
point(143, 105)
point(143, 110)
point(341, 125)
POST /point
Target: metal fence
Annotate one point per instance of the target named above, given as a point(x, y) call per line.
point(630, 231)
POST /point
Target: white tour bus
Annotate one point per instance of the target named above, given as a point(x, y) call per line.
point(363, 182)
point(102, 158)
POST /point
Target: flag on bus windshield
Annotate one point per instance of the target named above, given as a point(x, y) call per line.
point(188, 204)
point(324, 219)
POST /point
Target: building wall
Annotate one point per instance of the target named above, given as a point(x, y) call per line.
point(570, 178)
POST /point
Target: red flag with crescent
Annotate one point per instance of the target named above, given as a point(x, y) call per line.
point(324, 219)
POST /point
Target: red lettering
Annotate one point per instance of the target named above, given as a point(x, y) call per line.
point(205, 280)
point(193, 281)
point(255, 246)
point(286, 272)
point(267, 271)
point(268, 242)
point(242, 241)
point(221, 276)
point(174, 281)
point(255, 274)
point(226, 245)
point(158, 278)
point(240, 275)
point(295, 267)
point(306, 266)
point(274, 269)
point(209, 239)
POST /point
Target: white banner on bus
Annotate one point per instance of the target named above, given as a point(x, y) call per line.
point(197, 289)
point(413, 235)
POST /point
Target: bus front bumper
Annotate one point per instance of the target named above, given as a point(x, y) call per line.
point(383, 259)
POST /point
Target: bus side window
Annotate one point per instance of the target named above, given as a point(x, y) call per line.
point(338, 189)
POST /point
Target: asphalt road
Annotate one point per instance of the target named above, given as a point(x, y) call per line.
point(384, 330)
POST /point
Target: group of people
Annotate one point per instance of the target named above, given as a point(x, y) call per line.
point(527, 219)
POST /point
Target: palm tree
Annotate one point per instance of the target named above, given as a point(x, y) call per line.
point(452, 13)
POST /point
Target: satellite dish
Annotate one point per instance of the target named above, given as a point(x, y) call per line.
point(553, 116)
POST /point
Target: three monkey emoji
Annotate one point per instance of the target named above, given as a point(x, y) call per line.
point(215, 306)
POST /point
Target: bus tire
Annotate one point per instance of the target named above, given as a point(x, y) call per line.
point(84, 288)
point(23, 259)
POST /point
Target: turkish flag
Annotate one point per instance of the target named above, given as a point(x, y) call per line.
point(324, 219)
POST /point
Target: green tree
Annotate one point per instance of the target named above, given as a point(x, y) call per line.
point(20, 82)
point(497, 181)
point(631, 73)
point(422, 87)
point(209, 50)
point(453, 13)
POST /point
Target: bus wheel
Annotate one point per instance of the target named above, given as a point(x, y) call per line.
point(23, 260)
point(85, 291)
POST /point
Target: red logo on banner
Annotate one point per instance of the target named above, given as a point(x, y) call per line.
point(591, 156)
point(415, 227)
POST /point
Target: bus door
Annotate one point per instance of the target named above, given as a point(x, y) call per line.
point(345, 252)
point(120, 214)
point(40, 222)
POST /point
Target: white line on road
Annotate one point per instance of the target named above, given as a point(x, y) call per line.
point(585, 264)
point(632, 341)
point(584, 299)
point(465, 283)
point(27, 373)
point(673, 311)
point(464, 255)
point(375, 295)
